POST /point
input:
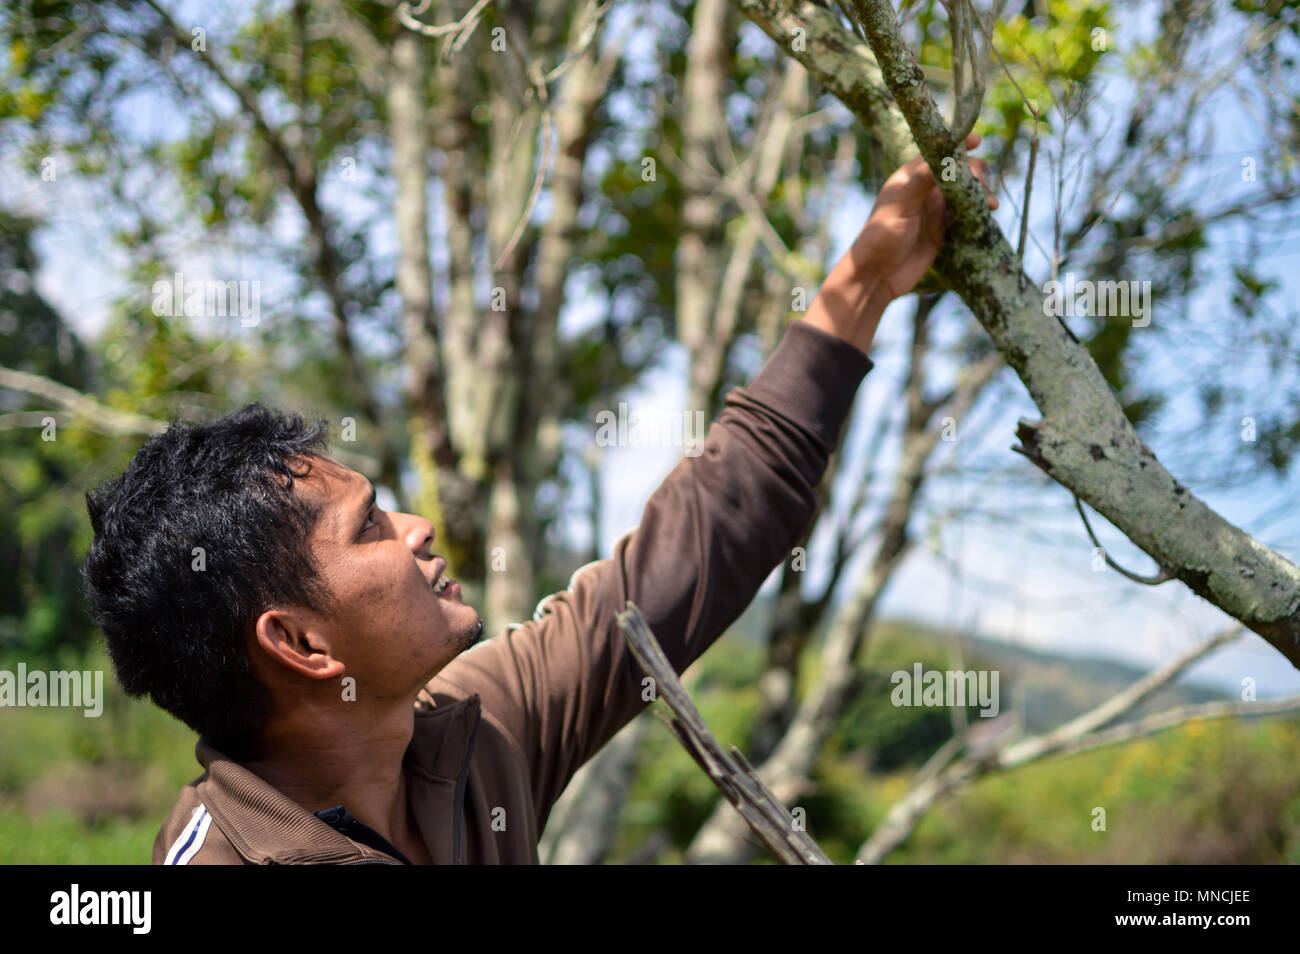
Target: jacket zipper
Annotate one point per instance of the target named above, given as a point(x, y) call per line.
point(459, 796)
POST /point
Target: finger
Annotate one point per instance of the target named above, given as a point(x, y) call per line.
point(936, 217)
point(910, 183)
point(981, 170)
point(973, 140)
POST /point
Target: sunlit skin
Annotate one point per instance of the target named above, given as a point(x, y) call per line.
point(898, 244)
point(387, 629)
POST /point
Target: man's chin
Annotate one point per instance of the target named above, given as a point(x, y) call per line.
point(473, 635)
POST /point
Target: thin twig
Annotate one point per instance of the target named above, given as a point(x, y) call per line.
point(1029, 188)
point(537, 80)
point(1164, 576)
point(459, 30)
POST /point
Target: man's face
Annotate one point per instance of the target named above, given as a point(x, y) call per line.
point(388, 626)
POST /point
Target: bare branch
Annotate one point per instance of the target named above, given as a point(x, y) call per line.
point(729, 771)
point(1029, 750)
point(458, 33)
point(1029, 189)
point(534, 73)
point(1181, 715)
point(101, 417)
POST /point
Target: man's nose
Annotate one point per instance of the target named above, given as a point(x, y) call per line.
point(418, 534)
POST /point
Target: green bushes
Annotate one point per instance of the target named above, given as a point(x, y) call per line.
point(1225, 792)
point(94, 791)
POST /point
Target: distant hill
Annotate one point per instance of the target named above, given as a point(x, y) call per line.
point(1048, 688)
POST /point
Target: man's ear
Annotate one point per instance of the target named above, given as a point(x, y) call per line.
point(291, 637)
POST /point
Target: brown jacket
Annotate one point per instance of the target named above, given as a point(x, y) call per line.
point(504, 727)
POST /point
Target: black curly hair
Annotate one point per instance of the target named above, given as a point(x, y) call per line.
point(178, 618)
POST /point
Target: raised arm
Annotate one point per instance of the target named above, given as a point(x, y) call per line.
point(562, 684)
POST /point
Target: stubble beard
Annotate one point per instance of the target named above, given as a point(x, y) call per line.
point(472, 635)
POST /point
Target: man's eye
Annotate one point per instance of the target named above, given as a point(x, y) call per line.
point(370, 521)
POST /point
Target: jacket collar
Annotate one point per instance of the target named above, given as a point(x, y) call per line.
point(267, 827)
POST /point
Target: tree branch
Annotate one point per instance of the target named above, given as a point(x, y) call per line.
point(729, 771)
point(1084, 441)
point(107, 420)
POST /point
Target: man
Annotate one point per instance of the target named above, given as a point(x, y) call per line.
point(251, 586)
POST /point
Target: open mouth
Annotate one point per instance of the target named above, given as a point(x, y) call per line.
point(442, 584)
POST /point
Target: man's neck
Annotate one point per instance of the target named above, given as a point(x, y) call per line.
point(320, 766)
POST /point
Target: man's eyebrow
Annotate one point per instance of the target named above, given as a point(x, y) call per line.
point(364, 510)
